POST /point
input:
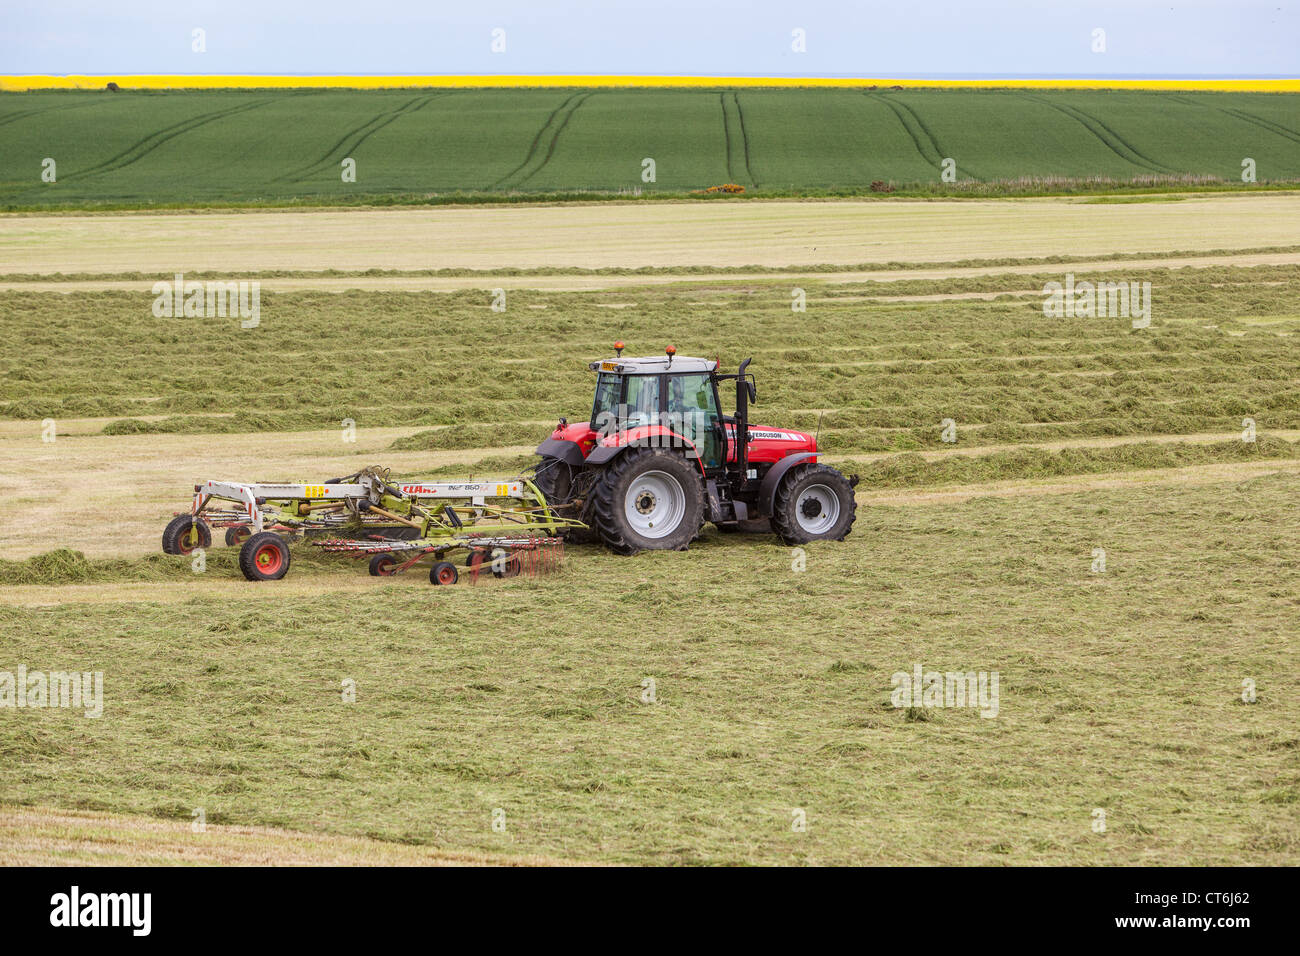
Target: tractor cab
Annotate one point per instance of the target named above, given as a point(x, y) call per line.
point(663, 397)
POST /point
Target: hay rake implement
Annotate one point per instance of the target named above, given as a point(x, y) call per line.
point(368, 513)
point(503, 557)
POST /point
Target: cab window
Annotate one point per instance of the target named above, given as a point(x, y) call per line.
point(608, 389)
point(625, 401)
point(693, 410)
point(642, 400)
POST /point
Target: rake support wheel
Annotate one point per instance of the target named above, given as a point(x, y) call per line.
point(264, 557)
point(443, 572)
point(184, 533)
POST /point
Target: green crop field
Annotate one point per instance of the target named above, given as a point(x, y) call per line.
point(258, 146)
point(1120, 689)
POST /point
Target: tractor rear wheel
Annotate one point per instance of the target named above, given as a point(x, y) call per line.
point(264, 557)
point(813, 503)
point(555, 479)
point(184, 533)
point(648, 499)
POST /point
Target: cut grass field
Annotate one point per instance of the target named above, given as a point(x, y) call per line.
point(581, 280)
point(873, 375)
point(690, 239)
point(1119, 690)
point(140, 148)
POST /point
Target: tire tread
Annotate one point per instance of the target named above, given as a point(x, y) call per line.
point(606, 504)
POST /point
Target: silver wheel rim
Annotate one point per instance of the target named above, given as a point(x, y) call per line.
point(655, 504)
point(827, 503)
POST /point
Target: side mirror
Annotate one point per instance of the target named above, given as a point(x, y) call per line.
point(749, 386)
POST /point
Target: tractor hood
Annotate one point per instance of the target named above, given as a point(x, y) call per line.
point(771, 444)
point(765, 444)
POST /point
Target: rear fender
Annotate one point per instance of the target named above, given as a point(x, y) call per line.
point(569, 452)
point(644, 436)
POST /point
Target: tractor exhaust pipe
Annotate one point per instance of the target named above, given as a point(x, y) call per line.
point(744, 393)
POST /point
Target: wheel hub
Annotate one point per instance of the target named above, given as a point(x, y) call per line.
point(655, 504)
point(818, 509)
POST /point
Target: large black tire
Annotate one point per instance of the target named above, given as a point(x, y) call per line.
point(813, 503)
point(264, 557)
point(662, 488)
point(176, 538)
point(554, 478)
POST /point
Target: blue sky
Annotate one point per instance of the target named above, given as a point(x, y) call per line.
point(929, 37)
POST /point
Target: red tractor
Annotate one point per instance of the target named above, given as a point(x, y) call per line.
point(658, 458)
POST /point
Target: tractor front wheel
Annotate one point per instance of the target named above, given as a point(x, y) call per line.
point(813, 503)
point(264, 557)
point(648, 499)
point(184, 533)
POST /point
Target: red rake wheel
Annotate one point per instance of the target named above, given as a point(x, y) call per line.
point(264, 557)
point(237, 536)
point(476, 560)
point(444, 572)
point(506, 565)
point(383, 566)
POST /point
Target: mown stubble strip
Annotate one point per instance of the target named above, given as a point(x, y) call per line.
point(1183, 477)
point(631, 282)
point(684, 235)
point(52, 837)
